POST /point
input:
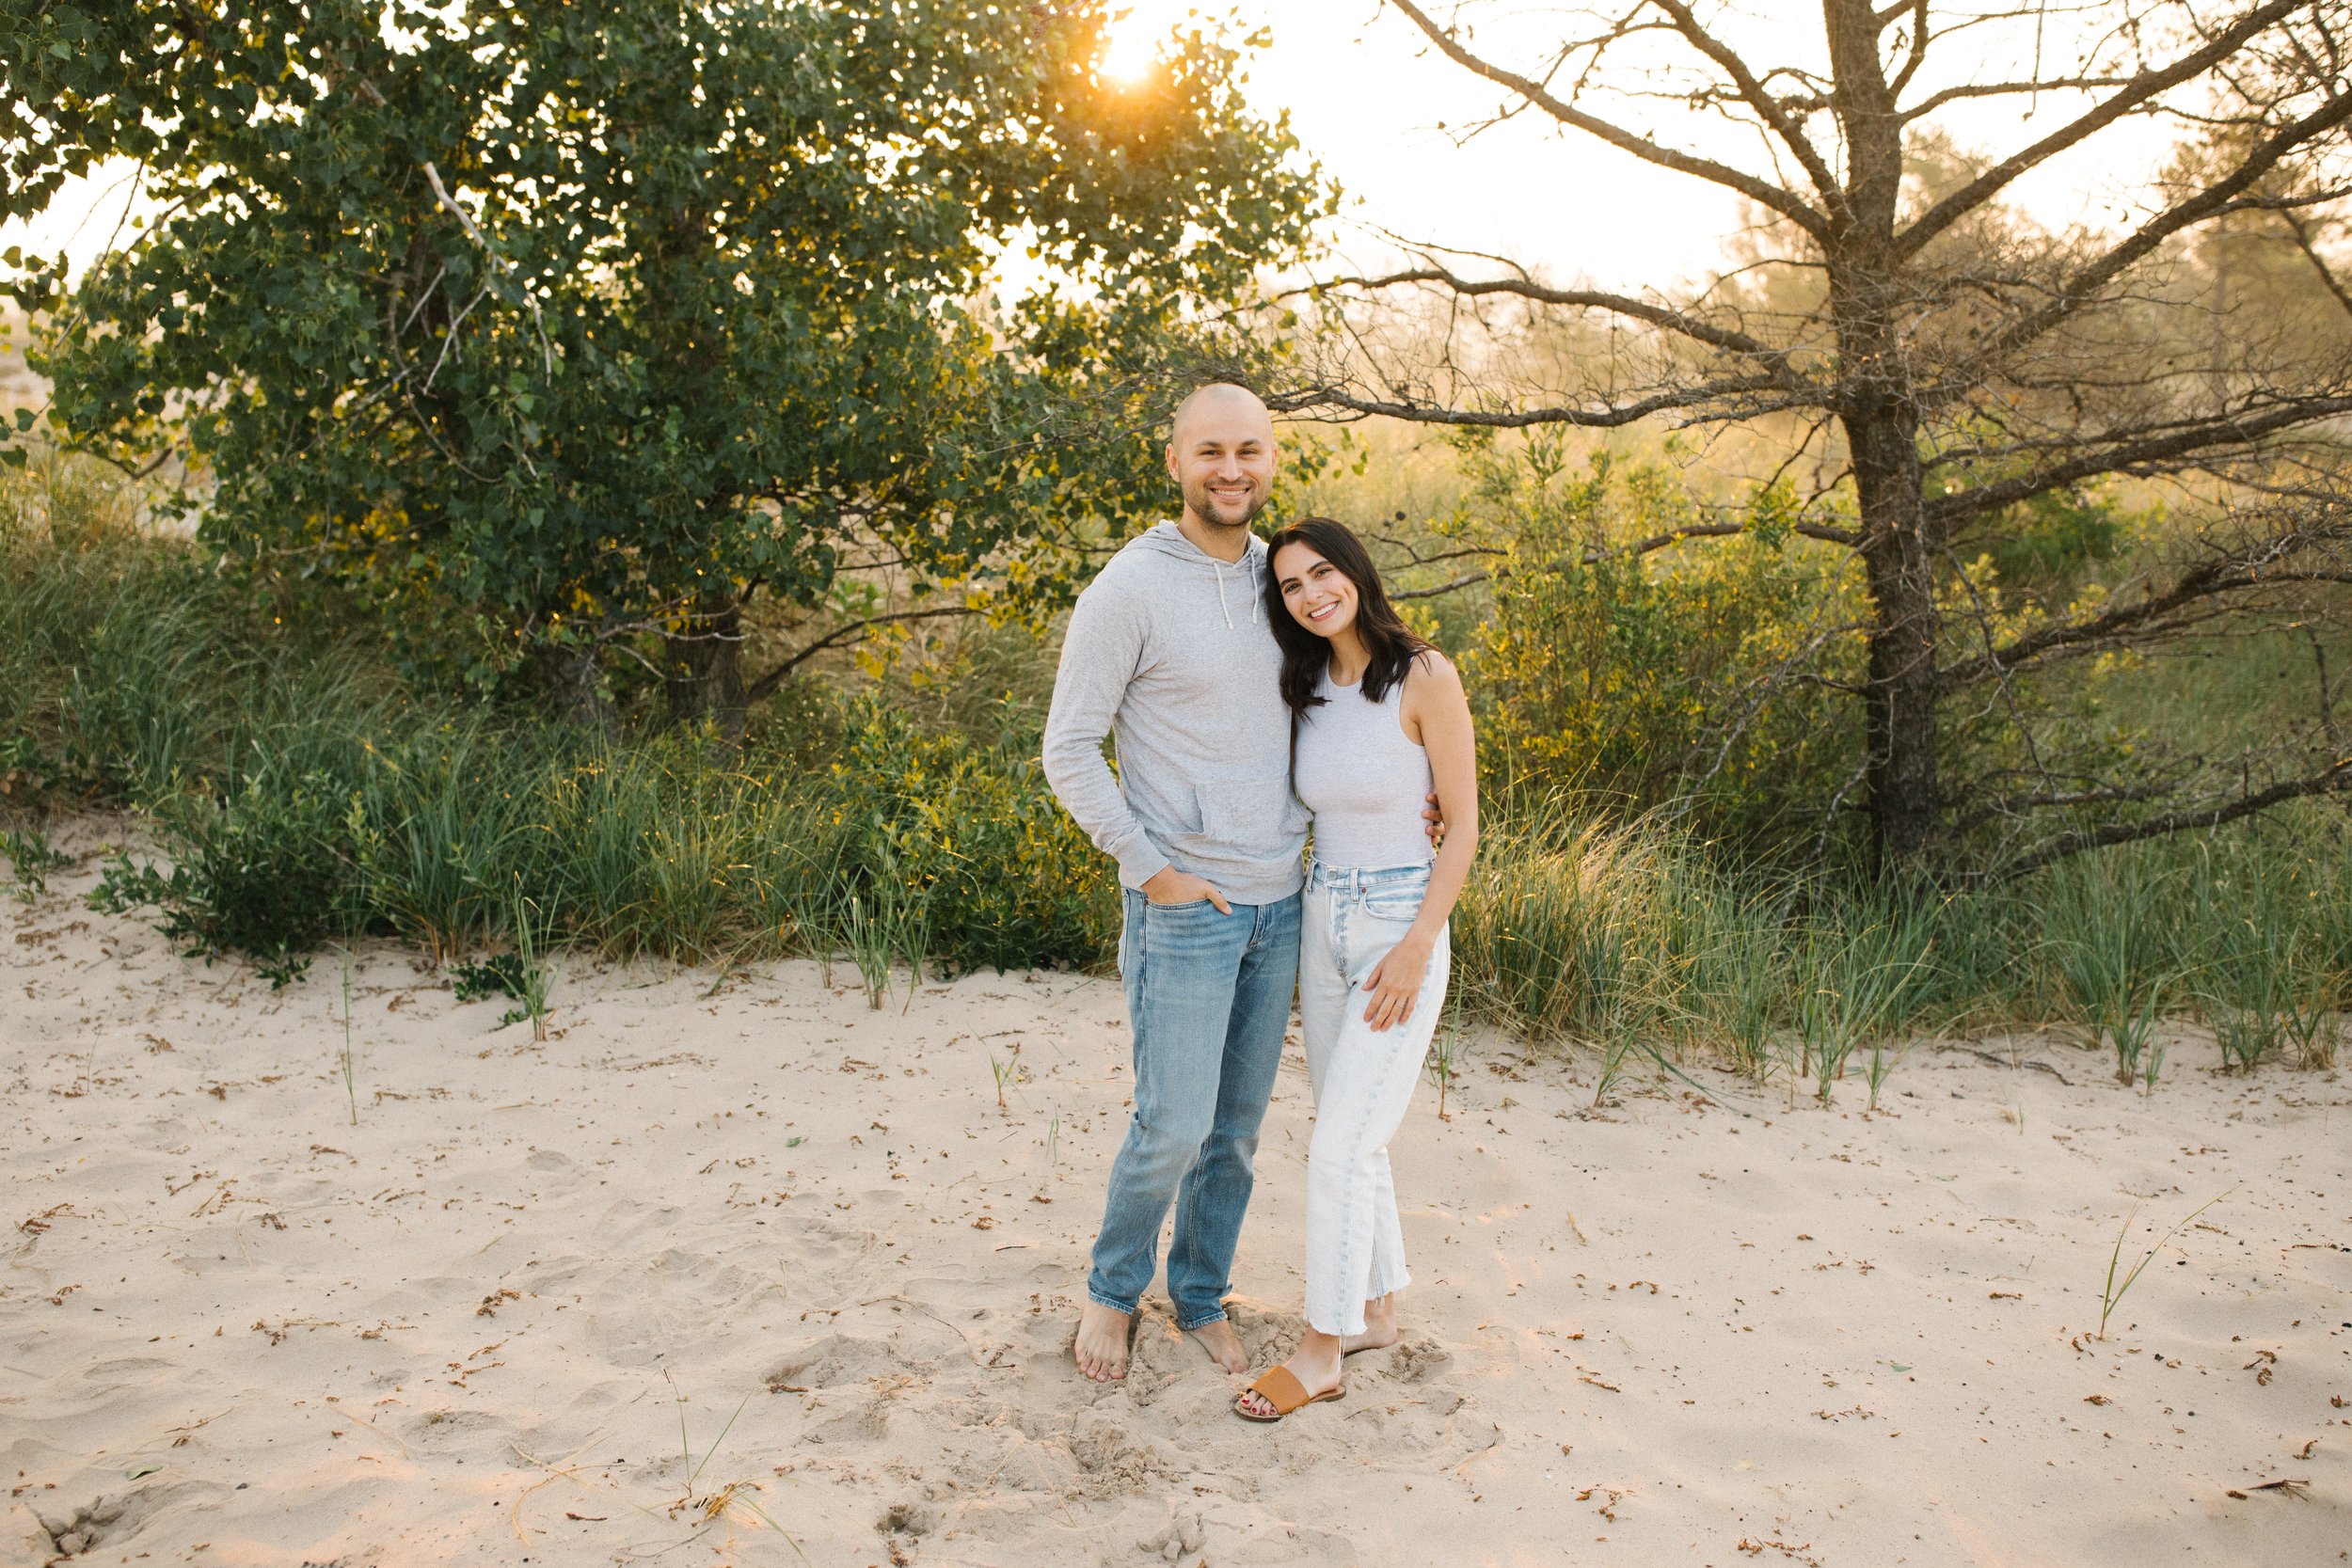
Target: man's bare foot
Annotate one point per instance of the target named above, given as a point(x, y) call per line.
point(1223, 1345)
point(1316, 1366)
point(1100, 1347)
point(1380, 1330)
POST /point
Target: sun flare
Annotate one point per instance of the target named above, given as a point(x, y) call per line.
point(1134, 49)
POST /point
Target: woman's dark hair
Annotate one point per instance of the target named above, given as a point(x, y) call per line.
point(1392, 643)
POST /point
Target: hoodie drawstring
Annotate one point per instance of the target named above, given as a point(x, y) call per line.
point(1221, 592)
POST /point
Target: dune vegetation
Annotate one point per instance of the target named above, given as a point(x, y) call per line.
point(291, 788)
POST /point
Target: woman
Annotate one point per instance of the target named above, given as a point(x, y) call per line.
point(1377, 719)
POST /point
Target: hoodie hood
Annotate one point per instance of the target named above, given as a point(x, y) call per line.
point(1244, 576)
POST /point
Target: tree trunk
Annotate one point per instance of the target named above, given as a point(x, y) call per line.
point(1868, 301)
point(704, 667)
point(1905, 803)
point(571, 684)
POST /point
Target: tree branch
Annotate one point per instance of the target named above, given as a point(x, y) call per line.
point(1917, 54)
point(1644, 148)
point(2336, 779)
point(2138, 450)
point(1816, 168)
point(2297, 227)
point(766, 685)
point(2145, 85)
point(1928, 104)
point(2213, 201)
point(1726, 338)
point(1607, 417)
point(1650, 545)
point(2211, 579)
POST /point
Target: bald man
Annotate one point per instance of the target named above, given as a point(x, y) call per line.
point(1170, 653)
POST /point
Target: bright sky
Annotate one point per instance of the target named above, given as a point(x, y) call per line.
point(1368, 98)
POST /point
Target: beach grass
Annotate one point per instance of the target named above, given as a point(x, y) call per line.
point(296, 788)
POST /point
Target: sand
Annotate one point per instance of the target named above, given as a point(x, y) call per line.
point(730, 1253)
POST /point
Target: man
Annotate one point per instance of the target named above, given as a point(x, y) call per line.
point(1169, 652)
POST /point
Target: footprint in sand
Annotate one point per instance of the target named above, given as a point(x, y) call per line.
point(866, 1421)
point(837, 1359)
point(1418, 1359)
point(114, 1518)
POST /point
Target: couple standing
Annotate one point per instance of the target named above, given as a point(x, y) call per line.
point(1250, 686)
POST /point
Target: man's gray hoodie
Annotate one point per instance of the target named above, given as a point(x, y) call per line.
point(1170, 653)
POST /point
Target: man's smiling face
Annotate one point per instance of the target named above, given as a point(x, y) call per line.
point(1222, 456)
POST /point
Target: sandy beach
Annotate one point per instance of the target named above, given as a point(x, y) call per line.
point(731, 1255)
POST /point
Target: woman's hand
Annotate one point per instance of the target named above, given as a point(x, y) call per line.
point(1394, 983)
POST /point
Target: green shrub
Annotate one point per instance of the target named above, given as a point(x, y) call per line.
point(1660, 677)
point(1005, 878)
point(266, 873)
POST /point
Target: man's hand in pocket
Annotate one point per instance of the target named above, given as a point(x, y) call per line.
point(1168, 885)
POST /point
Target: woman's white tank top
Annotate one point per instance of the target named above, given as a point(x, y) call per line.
point(1366, 783)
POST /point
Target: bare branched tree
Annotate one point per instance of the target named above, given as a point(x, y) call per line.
point(1946, 360)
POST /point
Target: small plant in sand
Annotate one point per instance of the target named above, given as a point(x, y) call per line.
point(1006, 1072)
point(2120, 1008)
point(880, 926)
point(2110, 958)
point(1614, 1049)
point(2111, 1292)
point(2312, 1023)
point(477, 979)
point(31, 859)
point(351, 1088)
point(707, 1508)
point(1445, 1051)
point(2271, 989)
point(2138, 1052)
point(521, 974)
point(1860, 983)
point(532, 930)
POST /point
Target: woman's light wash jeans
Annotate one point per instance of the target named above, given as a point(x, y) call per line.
point(1208, 997)
point(1364, 1081)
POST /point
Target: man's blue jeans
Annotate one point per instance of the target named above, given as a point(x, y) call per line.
point(1208, 999)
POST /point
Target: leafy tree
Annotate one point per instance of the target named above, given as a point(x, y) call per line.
point(1945, 366)
point(601, 320)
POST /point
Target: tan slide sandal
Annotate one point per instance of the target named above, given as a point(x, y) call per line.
point(1281, 1389)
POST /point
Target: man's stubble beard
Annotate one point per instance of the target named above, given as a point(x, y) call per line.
point(1198, 503)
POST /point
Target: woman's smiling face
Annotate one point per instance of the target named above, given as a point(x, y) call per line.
point(1318, 594)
